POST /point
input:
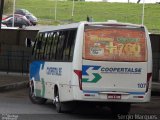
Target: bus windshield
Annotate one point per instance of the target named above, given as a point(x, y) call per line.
point(114, 43)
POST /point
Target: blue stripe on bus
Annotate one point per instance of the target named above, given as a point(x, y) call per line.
point(87, 91)
point(35, 69)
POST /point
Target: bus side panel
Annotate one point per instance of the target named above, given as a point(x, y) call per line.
point(77, 63)
point(149, 56)
point(149, 66)
point(35, 77)
point(77, 56)
point(57, 73)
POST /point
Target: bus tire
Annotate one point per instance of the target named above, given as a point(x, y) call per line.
point(33, 98)
point(120, 108)
point(57, 102)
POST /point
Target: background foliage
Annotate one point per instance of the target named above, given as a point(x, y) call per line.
point(100, 11)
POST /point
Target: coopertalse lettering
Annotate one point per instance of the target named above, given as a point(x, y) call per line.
point(121, 70)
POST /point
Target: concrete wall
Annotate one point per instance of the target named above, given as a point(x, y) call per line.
point(155, 42)
point(16, 36)
point(14, 56)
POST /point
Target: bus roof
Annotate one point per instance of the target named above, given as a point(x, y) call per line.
point(76, 25)
point(66, 26)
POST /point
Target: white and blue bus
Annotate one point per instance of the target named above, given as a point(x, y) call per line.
point(107, 63)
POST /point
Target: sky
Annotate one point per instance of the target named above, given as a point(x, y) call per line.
point(134, 1)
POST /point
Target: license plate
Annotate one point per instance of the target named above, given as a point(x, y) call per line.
point(114, 96)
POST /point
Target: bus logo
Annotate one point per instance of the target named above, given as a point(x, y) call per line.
point(87, 72)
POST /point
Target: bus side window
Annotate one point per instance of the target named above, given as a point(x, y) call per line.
point(37, 46)
point(41, 47)
point(59, 45)
point(47, 46)
point(54, 46)
point(69, 46)
point(62, 45)
point(50, 44)
point(53, 43)
point(72, 43)
point(66, 48)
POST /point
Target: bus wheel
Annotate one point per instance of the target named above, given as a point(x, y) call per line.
point(33, 98)
point(120, 108)
point(57, 102)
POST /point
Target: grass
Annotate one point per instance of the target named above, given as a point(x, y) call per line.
point(7, 5)
point(100, 11)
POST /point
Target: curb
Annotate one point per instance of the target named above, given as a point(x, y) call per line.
point(14, 86)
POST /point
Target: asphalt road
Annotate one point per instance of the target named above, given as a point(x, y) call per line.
point(16, 105)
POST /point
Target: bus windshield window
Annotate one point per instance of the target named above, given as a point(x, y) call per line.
point(114, 44)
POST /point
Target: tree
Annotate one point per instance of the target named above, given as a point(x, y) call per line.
point(138, 1)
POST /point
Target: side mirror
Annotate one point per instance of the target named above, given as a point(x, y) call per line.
point(29, 42)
